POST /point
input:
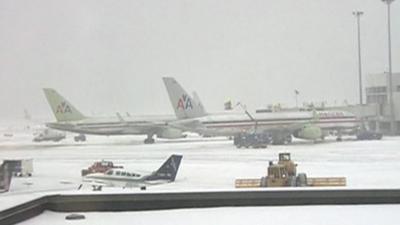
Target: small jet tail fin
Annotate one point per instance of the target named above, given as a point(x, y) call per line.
point(5, 177)
point(168, 170)
point(184, 106)
point(63, 110)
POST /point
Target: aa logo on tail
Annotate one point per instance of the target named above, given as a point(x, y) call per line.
point(63, 108)
point(184, 103)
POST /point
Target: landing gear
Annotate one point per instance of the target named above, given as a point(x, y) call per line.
point(149, 139)
point(80, 137)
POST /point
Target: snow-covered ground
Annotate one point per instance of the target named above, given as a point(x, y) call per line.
point(208, 164)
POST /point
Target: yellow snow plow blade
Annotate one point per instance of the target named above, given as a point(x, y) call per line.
point(326, 181)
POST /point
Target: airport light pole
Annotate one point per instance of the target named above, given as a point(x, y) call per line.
point(358, 14)
point(390, 78)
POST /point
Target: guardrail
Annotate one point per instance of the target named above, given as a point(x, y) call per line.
point(160, 201)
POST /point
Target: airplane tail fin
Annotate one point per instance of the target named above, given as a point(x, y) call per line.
point(5, 177)
point(201, 111)
point(184, 106)
point(168, 170)
point(63, 110)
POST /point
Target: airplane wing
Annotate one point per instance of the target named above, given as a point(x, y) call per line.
point(143, 126)
point(288, 127)
point(162, 129)
point(97, 185)
point(291, 127)
point(91, 181)
point(186, 125)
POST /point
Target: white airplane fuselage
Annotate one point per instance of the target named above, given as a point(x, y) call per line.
point(121, 180)
point(114, 126)
point(232, 124)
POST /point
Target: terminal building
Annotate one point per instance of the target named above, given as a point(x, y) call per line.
point(377, 93)
point(376, 108)
point(375, 112)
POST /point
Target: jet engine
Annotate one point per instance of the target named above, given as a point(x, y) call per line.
point(309, 132)
point(170, 133)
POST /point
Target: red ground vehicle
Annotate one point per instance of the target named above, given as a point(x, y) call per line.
point(99, 167)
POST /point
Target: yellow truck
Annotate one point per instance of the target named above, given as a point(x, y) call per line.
point(284, 174)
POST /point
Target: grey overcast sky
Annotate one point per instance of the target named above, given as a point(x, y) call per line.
point(107, 56)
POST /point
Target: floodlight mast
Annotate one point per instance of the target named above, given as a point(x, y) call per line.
point(358, 14)
point(390, 75)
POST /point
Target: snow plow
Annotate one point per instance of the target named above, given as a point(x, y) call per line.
point(284, 174)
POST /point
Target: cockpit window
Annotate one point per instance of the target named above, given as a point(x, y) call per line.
point(110, 172)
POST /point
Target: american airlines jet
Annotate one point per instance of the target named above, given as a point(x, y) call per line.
point(72, 120)
point(281, 126)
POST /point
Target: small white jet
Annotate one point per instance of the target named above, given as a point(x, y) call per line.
point(49, 135)
point(122, 178)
